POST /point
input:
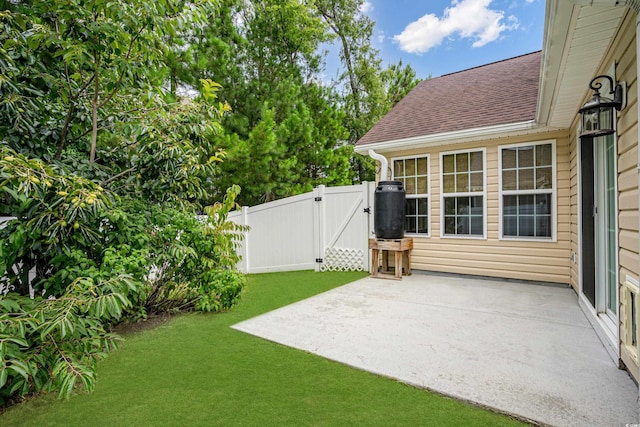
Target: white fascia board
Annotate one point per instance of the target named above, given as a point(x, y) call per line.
point(461, 136)
point(557, 26)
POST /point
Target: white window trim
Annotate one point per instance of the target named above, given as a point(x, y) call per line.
point(554, 193)
point(416, 196)
point(484, 195)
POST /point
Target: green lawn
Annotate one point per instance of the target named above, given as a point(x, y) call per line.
point(195, 370)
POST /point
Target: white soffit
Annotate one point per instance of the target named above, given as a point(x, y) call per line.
point(577, 39)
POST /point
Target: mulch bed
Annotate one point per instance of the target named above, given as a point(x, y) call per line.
point(150, 322)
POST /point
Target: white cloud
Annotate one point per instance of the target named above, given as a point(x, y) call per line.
point(366, 7)
point(469, 19)
point(381, 36)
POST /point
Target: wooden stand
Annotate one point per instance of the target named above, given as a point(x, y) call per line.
point(402, 249)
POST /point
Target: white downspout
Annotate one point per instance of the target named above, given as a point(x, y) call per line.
point(636, 6)
point(384, 164)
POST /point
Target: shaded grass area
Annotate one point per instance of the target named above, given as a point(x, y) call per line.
point(195, 370)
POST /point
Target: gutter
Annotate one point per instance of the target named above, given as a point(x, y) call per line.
point(466, 135)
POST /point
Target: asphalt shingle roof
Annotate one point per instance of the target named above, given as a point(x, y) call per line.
point(498, 93)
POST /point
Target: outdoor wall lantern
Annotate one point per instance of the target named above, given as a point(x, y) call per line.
point(597, 113)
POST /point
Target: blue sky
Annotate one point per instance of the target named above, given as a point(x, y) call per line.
point(443, 36)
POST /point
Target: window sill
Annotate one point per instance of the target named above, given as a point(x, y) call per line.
point(421, 235)
point(464, 237)
point(529, 239)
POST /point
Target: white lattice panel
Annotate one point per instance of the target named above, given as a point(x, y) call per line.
point(340, 259)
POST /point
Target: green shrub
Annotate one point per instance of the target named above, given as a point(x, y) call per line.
point(186, 257)
point(68, 227)
point(221, 292)
point(50, 344)
point(57, 226)
point(98, 258)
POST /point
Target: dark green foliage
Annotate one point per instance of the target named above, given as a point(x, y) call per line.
point(58, 218)
point(104, 173)
point(285, 133)
point(186, 260)
point(93, 254)
point(221, 292)
point(50, 344)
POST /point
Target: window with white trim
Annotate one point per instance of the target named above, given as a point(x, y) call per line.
point(527, 190)
point(413, 172)
point(463, 193)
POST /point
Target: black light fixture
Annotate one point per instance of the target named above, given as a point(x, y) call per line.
point(597, 113)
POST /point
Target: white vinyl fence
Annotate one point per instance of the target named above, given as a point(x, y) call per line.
point(325, 230)
point(5, 219)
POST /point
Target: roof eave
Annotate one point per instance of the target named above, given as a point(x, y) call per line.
point(457, 137)
point(558, 16)
point(570, 59)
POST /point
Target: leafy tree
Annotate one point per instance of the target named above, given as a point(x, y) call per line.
point(104, 171)
point(368, 91)
point(168, 153)
point(284, 134)
point(75, 71)
point(56, 215)
point(398, 81)
point(364, 97)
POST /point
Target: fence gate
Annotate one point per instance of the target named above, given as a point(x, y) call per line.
point(343, 227)
point(325, 230)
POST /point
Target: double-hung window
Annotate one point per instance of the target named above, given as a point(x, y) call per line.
point(527, 185)
point(463, 193)
point(413, 172)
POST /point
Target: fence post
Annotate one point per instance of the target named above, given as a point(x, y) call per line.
point(318, 225)
point(244, 250)
point(366, 224)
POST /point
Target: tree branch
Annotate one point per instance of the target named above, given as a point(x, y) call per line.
point(113, 178)
point(94, 115)
point(65, 130)
point(126, 57)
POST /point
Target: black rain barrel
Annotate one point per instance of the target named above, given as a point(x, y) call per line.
point(388, 208)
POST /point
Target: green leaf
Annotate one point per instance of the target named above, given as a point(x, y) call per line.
point(3, 376)
point(9, 305)
point(19, 341)
point(20, 367)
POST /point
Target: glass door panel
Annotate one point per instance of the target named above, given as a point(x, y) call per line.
point(606, 264)
point(611, 291)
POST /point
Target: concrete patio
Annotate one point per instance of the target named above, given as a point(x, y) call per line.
point(522, 349)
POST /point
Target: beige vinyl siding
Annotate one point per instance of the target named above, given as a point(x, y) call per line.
point(623, 54)
point(625, 46)
point(537, 260)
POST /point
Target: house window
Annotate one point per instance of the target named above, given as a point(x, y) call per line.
point(463, 193)
point(527, 187)
point(413, 172)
